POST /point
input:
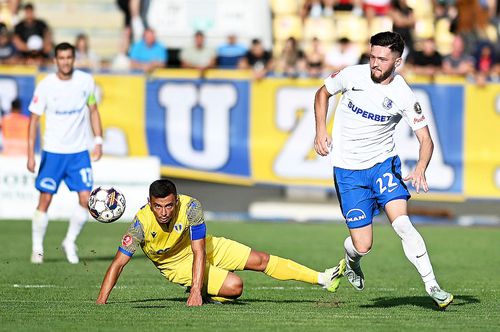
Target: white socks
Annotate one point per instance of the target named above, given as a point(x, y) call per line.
point(76, 222)
point(352, 255)
point(38, 228)
point(415, 250)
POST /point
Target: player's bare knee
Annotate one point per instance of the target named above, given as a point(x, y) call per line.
point(233, 286)
point(363, 248)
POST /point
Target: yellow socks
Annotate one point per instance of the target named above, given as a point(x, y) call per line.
point(286, 269)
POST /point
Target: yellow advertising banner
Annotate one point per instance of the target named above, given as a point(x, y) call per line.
point(482, 141)
point(282, 134)
point(121, 105)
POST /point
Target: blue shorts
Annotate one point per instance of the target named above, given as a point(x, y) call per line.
point(73, 168)
point(362, 192)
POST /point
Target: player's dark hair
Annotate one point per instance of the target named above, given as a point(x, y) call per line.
point(392, 40)
point(162, 188)
point(63, 47)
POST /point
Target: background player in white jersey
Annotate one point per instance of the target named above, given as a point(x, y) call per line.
point(67, 99)
point(367, 170)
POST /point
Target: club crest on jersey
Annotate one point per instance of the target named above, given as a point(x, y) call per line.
point(127, 240)
point(417, 108)
point(387, 104)
point(178, 228)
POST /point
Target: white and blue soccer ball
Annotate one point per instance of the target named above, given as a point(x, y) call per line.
point(106, 204)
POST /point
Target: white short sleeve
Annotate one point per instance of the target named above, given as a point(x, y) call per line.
point(414, 115)
point(335, 82)
point(39, 101)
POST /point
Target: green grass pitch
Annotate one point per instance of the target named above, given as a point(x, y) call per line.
point(57, 296)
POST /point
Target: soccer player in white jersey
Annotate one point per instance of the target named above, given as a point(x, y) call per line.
point(67, 99)
point(367, 170)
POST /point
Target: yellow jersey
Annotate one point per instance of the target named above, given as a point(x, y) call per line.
point(164, 244)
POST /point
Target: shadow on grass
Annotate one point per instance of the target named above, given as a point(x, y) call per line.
point(419, 301)
point(83, 259)
point(143, 303)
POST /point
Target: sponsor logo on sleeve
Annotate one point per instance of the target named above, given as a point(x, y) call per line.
point(418, 120)
point(417, 108)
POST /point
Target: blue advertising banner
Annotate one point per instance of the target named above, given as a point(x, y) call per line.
point(16, 86)
point(199, 125)
point(443, 106)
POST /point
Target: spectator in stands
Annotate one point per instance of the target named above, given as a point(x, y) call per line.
point(32, 37)
point(403, 22)
point(134, 19)
point(472, 21)
point(291, 62)
point(374, 8)
point(198, 56)
point(341, 55)
point(458, 62)
point(257, 59)
point(230, 53)
point(349, 5)
point(121, 61)
point(7, 49)
point(485, 63)
point(148, 54)
point(428, 61)
point(311, 8)
point(85, 57)
point(14, 127)
point(315, 58)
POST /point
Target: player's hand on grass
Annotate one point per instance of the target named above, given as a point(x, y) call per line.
point(100, 302)
point(417, 177)
point(31, 164)
point(194, 299)
point(97, 153)
point(322, 144)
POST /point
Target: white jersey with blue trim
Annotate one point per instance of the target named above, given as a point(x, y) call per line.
point(367, 115)
point(64, 103)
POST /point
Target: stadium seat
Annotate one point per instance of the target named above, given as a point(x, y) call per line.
point(380, 23)
point(284, 7)
point(322, 28)
point(99, 19)
point(285, 26)
point(421, 8)
point(352, 27)
point(424, 28)
point(444, 38)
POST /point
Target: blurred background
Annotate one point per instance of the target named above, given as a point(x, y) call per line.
point(218, 95)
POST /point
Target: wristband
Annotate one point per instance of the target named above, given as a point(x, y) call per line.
point(98, 140)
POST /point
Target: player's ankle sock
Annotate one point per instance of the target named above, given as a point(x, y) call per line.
point(351, 254)
point(38, 228)
point(76, 222)
point(286, 269)
point(415, 250)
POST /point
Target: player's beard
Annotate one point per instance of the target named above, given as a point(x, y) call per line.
point(385, 75)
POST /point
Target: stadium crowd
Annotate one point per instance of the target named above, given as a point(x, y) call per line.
point(470, 28)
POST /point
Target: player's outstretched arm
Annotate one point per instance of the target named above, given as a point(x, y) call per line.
point(111, 276)
point(95, 122)
point(322, 141)
point(199, 259)
point(32, 128)
point(417, 176)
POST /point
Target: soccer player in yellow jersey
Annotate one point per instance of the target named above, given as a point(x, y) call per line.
point(171, 231)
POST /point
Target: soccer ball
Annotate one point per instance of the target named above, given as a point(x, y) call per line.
point(106, 204)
